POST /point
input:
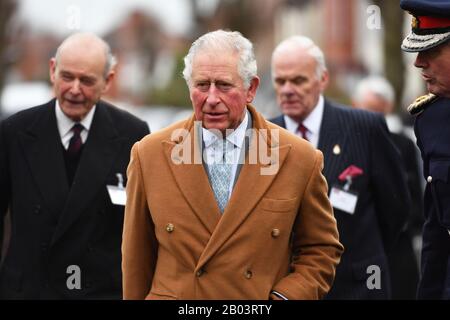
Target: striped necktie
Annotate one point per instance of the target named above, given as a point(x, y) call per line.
point(302, 130)
point(75, 142)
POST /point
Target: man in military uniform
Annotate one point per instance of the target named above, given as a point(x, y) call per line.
point(430, 38)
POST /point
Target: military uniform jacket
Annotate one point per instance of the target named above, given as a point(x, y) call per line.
point(276, 233)
point(360, 138)
point(433, 131)
point(54, 226)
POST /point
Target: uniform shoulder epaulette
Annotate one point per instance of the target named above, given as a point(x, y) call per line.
point(420, 103)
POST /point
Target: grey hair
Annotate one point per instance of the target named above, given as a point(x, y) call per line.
point(310, 47)
point(224, 41)
point(377, 85)
point(110, 59)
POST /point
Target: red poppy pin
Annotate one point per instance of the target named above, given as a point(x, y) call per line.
point(349, 174)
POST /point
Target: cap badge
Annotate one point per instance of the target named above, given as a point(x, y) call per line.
point(415, 23)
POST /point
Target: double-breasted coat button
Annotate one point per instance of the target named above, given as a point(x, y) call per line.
point(429, 179)
point(170, 227)
point(275, 233)
point(200, 272)
point(248, 274)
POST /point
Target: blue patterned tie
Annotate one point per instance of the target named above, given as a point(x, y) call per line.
point(220, 173)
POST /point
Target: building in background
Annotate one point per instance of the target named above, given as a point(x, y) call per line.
point(150, 54)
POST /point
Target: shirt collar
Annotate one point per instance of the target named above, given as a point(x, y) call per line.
point(312, 121)
point(236, 137)
point(65, 124)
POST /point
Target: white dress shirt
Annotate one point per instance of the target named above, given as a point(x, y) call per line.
point(65, 125)
point(312, 123)
point(212, 153)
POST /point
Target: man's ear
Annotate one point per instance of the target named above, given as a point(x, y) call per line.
point(52, 69)
point(251, 92)
point(324, 80)
point(108, 80)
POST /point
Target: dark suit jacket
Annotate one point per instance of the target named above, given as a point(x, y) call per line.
point(432, 132)
point(403, 263)
point(382, 206)
point(410, 158)
point(55, 226)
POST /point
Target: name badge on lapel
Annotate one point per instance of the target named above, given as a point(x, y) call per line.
point(341, 197)
point(117, 193)
point(343, 200)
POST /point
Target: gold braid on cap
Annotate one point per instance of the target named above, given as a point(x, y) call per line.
point(420, 103)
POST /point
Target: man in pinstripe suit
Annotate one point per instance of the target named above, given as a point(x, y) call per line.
point(366, 182)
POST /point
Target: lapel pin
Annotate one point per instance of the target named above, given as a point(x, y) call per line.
point(337, 150)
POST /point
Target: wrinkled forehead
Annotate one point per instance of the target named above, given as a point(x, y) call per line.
point(216, 60)
point(293, 60)
point(81, 66)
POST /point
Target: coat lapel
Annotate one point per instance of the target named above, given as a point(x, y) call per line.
point(191, 177)
point(246, 195)
point(98, 156)
point(43, 150)
point(332, 142)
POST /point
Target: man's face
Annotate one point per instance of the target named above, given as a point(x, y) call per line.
point(296, 83)
point(78, 80)
point(435, 65)
point(217, 91)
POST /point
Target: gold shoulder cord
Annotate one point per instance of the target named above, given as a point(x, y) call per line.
point(420, 103)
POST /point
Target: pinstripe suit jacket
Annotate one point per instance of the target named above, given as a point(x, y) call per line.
point(383, 200)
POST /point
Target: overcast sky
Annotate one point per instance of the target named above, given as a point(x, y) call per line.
point(99, 16)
